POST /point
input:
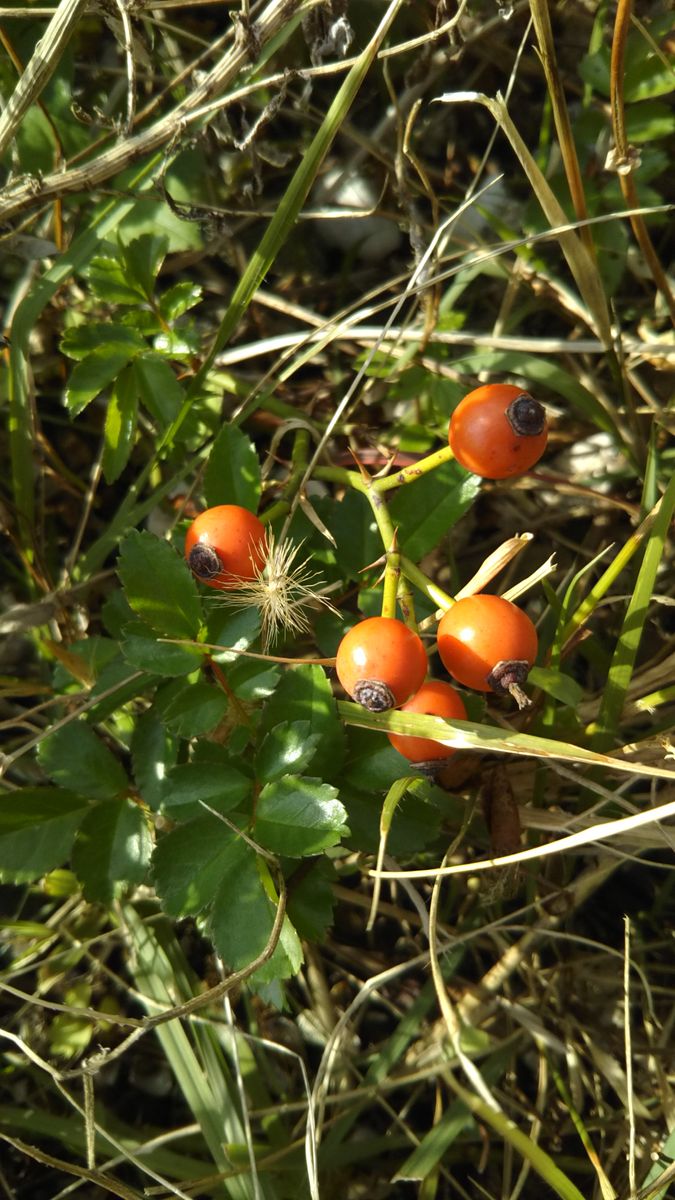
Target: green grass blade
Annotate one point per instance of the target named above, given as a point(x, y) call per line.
point(604, 583)
point(471, 735)
point(197, 1061)
point(539, 1160)
point(660, 1171)
point(70, 1135)
point(623, 660)
point(457, 1116)
point(578, 259)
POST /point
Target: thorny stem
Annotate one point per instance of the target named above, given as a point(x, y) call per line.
point(436, 594)
point(388, 534)
point(410, 474)
point(341, 475)
point(406, 602)
point(372, 490)
point(392, 574)
point(382, 517)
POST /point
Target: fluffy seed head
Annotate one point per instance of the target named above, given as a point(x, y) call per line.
point(281, 589)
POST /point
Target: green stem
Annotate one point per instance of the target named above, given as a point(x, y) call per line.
point(341, 475)
point(382, 517)
point(392, 574)
point(436, 594)
point(529, 1150)
point(606, 580)
point(236, 704)
point(410, 474)
point(278, 509)
point(284, 506)
point(298, 459)
point(406, 603)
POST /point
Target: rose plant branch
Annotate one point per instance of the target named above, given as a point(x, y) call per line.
point(29, 193)
point(211, 996)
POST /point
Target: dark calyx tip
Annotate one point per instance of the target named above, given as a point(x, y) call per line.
point(507, 677)
point(526, 416)
point(431, 767)
point(204, 562)
point(374, 695)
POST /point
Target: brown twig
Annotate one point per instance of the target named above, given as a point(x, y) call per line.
point(623, 158)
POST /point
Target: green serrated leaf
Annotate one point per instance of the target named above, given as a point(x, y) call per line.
point(37, 828)
point(297, 816)
point(235, 630)
point(160, 390)
point(75, 757)
point(427, 509)
point(287, 749)
point(286, 959)
point(143, 258)
point(233, 472)
point(112, 849)
point(190, 864)
point(648, 121)
point(311, 900)
point(107, 278)
point(120, 424)
point(372, 763)
point(115, 614)
point(646, 73)
point(68, 1034)
point(153, 754)
point(89, 377)
point(181, 345)
point(415, 825)
point(117, 684)
point(141, 648)
point(221, 786)
point(190, 709)
point(94, 653)
point(179, 299)
point(82, 340)
point(251, 680)
point(145, 321)
point(304, 694)
point(159, 586)
point(243, 913)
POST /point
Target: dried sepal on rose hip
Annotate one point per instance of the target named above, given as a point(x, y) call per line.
point(380, 663)
point(434, 699)
point(224, 545)
point(282, 588)
point(487, 643)
point(498, 431)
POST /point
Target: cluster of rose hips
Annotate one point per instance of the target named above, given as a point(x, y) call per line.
point(484, 641)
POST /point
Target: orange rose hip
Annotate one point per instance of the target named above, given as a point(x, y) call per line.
point(224, 544)
point(498, 431)
point(380, 663)
point(435, 699)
